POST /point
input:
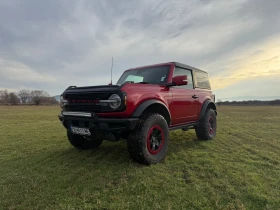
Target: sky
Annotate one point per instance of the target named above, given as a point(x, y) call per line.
point(50, 45)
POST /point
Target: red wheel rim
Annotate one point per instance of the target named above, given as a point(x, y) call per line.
point(155, 139)
point(211, 125)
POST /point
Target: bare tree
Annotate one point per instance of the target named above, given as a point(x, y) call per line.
point(52, 101)
point(38, 96)
point(13, 99)
point(24, 95)
point(219, 103)
point(4, 97)
point(1, 96)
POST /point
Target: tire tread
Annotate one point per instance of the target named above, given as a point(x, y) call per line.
point(202, 128)
point(134, 142)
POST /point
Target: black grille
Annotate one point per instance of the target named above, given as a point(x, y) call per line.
point(93, 96)
point(85, 106)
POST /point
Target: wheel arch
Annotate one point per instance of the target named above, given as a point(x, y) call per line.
point(206, 105)
point(154, 106)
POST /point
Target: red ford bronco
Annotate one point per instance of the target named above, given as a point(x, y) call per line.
point(146, 103)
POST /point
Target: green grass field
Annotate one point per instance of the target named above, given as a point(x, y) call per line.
point(240, 169)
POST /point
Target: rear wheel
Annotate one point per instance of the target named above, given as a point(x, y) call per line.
point(148, 143)
point(82, 143)
point(207, 127)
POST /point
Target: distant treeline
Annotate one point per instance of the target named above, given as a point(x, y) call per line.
point(250, 103)
point(26, 97)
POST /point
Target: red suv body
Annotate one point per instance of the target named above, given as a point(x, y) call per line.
point(177, 95)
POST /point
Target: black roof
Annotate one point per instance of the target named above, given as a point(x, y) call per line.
point(181, 65)
point(187, 66)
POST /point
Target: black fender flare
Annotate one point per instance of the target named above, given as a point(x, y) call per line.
point(144, 105)
point(204, 107)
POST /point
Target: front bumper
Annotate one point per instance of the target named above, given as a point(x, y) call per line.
point(95, 123)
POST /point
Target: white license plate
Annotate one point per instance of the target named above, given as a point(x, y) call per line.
point(81, 131)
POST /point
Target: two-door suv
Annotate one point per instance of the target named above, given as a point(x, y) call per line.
point(146, 103)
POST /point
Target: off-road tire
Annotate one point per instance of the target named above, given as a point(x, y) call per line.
point(203, 130)
point(81, 143)
point(150, 126)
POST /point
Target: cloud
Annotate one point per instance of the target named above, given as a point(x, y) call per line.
point(68, 42)
point(246, 64)
point(256, 88)
point(15, 76)
point(13, 70)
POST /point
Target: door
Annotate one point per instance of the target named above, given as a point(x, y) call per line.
point(185, 103)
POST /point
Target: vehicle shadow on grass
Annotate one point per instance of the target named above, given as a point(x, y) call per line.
point(182, 141)
point(107, 153)
point(111, 155)
point(115, 153)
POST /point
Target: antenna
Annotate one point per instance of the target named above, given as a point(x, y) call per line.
point(112, 70)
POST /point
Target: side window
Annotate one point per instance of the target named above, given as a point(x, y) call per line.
point(179, 71)
point(202, 80)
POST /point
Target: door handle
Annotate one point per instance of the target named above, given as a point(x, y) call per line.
point(194, 96)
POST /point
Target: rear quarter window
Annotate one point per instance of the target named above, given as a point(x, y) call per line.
point(202, 80)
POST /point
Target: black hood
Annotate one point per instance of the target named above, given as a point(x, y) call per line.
point(100, 88)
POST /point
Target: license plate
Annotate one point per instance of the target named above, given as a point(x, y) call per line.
point(81, 131)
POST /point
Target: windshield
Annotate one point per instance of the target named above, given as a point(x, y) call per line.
point(149, 75)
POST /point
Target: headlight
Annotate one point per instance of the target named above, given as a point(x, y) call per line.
point(115, 101)
point(62, 101)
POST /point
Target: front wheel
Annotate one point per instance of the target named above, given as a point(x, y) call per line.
point(207, 127)
point(149, 142)
point(82, 143)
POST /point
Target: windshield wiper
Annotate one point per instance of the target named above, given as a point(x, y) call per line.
point(127, 82)
point(142, 83)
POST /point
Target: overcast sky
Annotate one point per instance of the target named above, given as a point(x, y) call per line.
point(52, 44)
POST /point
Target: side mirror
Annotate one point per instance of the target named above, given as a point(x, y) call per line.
point(180, 80)
point(110, 84)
